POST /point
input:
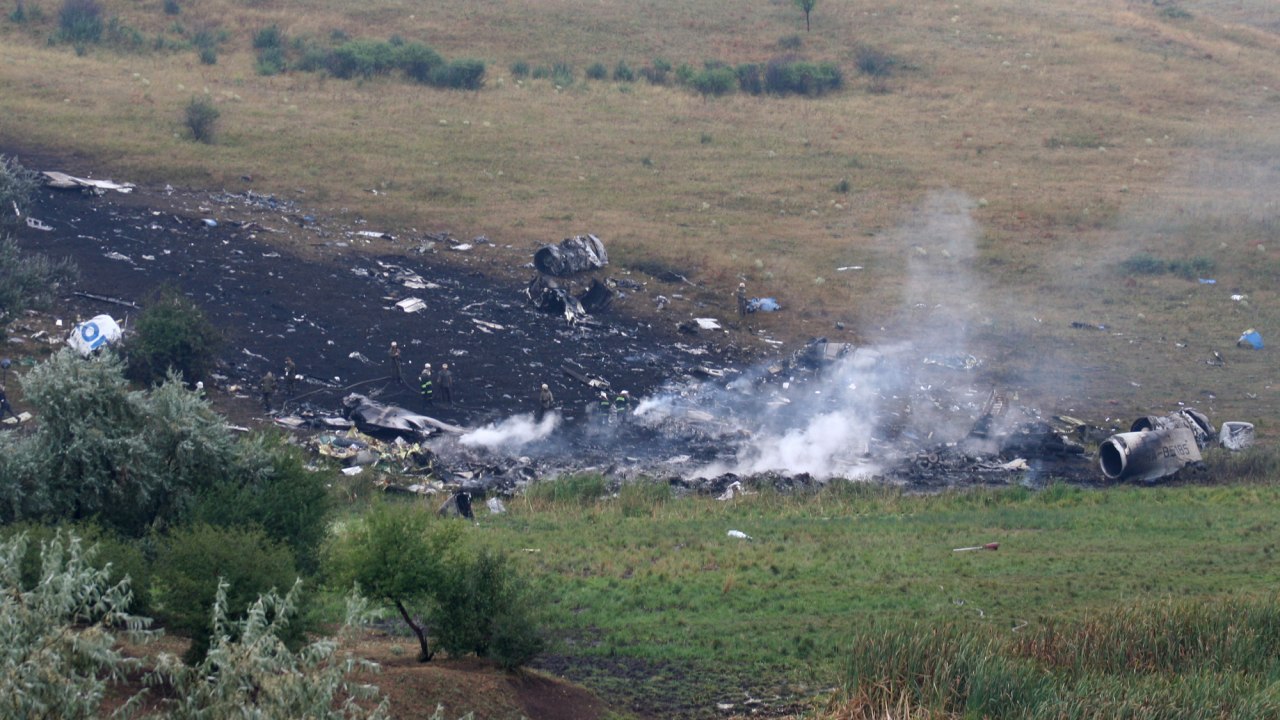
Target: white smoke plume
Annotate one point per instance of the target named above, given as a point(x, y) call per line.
point(511, 434)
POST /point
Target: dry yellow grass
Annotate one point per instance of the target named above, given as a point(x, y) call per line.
point(1077, 134)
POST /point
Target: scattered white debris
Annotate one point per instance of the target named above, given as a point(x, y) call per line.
point(113, 255)
point(412, 305)
point(707, 323)
point(375, 235)
point(847, 268)
point(35, 224)
point(495, 506)
point(461, 248)
point(486, 326)
point(740, 535)
point(63, 181)
point(353, 470)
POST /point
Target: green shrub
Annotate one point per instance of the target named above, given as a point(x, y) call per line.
point(684, 73)
point(484, 606)
point(273, 490)
point(786, 75)
point(750, 78)
point(842, 186)
point(460, 75)
point(790, 42)
point(397, 555)
point(194, 560)
point(1173, 12)
point(208, 55)
point(361, 58)
point(622, 72)
point(201, 118)
point(268, 37)
point(119, 559)
point(657, 71)
point(562, 74)
point(17, 184)
point(1192, 268)
point(271, 61)
point(874, 62)
point(80, 22)
point(597, 71)
point(129, 460)
point(418, 61)
point(171, 7)
point(520, 69)
point(714, 81)
point(29, 280)
point(60, 650)
point(541, 73)
point(172, 333)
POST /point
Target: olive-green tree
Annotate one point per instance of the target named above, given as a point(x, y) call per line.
point(398, 555)
point(806, 6)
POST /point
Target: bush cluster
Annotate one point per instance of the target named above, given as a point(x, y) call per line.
point(364, 59)
point(781, 76)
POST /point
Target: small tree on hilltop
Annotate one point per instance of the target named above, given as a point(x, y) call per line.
point(806, 6)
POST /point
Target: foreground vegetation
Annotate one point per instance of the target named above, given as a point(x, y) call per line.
point(842, 586)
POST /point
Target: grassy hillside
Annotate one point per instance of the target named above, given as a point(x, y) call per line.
point(993, 184)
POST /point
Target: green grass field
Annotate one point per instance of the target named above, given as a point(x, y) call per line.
point(639, 581)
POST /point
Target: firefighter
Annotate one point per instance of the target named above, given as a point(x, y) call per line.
point(546, 401)
point(742, 299)
point(394, 354)
point(622, 404)
point(425, 381)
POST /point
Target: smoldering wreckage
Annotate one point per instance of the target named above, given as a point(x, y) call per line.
point(827, 411)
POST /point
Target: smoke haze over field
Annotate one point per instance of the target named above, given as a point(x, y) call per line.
point(825, 416)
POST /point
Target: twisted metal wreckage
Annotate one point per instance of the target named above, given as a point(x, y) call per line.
point(1004, 443)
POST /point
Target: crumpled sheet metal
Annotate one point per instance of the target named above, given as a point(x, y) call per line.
point(372, 416)
point(572, 255)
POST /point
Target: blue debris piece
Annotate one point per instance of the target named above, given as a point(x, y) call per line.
point(763, 305)
point(1250, 338)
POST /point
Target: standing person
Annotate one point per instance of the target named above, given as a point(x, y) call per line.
point(444, 383)
point(605, 406)
point(268, 386)
point(5, 407)
point(622, 404)
point(394, 353)
point(425, 383)
point(290, 375)
point(546, 402)
point(742, 299)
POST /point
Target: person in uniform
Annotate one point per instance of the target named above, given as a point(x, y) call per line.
point(394, 353)
point(444, 383)
point(5, 407)
point(742, 299)
point(425, 383)
point(546, 401)
point(605, 407)
point(268, 386)
point(622, 404)
point(290, 375)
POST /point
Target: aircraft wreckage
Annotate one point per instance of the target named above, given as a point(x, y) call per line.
point(709, 430)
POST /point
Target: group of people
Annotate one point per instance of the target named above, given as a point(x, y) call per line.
point(430, 383)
